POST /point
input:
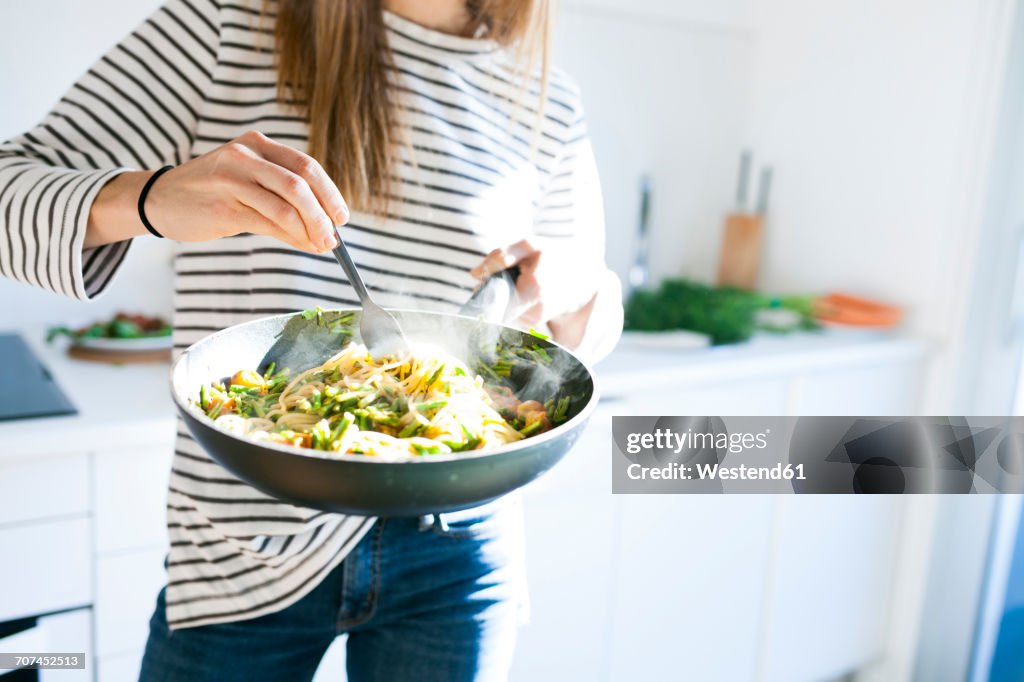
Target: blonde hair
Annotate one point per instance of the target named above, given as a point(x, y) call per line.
point(333, 60)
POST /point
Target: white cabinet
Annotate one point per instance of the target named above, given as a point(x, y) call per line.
point(126, 589)
point(87, 529)
point(569, 556)
point(61, 634)
point(710, 587)
point(638, 587)
point(67, 633)
point(751, 397)
point(689, 587)
point(868, 389)
point(46, 567)
point(131, 544)
point(830, 582)
point(32, 489)
point(123, 668)
point(131, 494)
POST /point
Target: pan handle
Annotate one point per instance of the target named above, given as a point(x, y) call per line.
point(493, 299)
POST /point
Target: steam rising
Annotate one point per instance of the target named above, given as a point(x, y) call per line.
point(541, 375)
point(549, 374)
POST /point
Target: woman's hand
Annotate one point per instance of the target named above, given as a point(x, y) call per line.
point(552, 289)
point(251, 184)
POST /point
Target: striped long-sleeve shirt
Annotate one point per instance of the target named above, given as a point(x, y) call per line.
point(197, 74)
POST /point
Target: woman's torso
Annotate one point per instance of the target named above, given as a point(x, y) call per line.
point(474, 185)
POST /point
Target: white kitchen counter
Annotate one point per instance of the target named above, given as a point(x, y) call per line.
point(118, 405)
point(634, 367)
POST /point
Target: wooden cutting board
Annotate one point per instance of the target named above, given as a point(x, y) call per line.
point(119, 357)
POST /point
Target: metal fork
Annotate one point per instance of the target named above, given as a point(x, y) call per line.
point(379, 328)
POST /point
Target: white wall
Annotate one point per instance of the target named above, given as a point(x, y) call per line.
point(878, 117)
point(45, 46)
point(992, 338)
point(666, 87)
point(859, 105)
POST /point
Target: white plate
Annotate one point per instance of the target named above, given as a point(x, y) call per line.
point(668, 340)
point(144, 343)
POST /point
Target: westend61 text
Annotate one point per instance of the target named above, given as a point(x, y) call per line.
point(708, 472)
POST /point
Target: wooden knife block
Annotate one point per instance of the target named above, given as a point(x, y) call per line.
point(741, 251)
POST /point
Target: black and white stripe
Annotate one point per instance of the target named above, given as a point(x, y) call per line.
point(199, 73)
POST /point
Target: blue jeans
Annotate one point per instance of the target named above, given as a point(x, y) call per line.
point(424, 601)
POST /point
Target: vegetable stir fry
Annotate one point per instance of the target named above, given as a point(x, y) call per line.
point(424, 403)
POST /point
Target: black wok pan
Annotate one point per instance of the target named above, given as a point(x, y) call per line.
point(361, 484)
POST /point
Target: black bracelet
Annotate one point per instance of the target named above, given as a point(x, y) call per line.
point(142, 201)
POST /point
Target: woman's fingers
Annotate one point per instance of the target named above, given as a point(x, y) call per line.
point(251, 184)
point(528, 304)
point(280, 213)
point(504, 258)
point(308, 169)
point(547, 287)
point(257, 223)
point(296, 191)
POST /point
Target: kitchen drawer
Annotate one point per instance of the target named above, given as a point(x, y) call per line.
point(44, 488)
point(836, 625)
point(750, 397)
point(131, 496)
point(687, 587)
point(879, 389)
point(64, 633)
point(126, 590)
point(45, 567)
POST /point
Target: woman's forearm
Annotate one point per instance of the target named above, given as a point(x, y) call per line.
point(570, 328)
point(70, 167)
point(251, 184)
point(594, 329)
point(114, 215)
